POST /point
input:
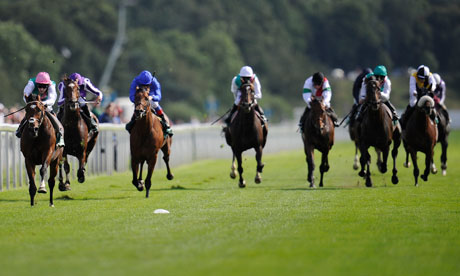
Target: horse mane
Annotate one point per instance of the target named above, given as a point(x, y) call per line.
point(425, 99)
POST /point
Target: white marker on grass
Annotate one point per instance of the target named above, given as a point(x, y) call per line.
point(161, 211)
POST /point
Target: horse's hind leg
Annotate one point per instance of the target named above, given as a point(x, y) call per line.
point(394, 154)
point(428, 162)
point(260, 165)
point(356, 160)
point(413, 155)
point(81, 168)
point(242, 182)
point(135, 168)
point(166, 149)
point(67, 173)
point(32, 188)
point(63, 187)
point(43, 169)
point(233, 168)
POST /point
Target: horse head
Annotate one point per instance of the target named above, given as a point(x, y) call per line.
point(141, 102)
point(247, 97)
point(35, 114)
point(426, 103)
point(373, 94)
point(318, 114)
point(71, 94)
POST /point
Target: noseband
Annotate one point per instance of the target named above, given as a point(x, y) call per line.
point(32, 119)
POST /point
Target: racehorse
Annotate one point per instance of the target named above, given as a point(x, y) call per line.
point(78, 142)
point(318, 133)
point(245, 132)
point(421, 134)
point(146, 139)
point(443, 135)
point(38, 145)
point(377, 130)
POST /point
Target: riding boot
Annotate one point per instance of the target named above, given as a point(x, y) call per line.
point(351, 117)
point(229, 117)
point(57, 127)
point(303, 117)
point(166, 127)
point(445, 112)
point(130, 124)
point(393, 111)
point(60, 112)
point(333, 116)
point(262, 114)
point(90, 122)
point(21, 127)
point(406, 115)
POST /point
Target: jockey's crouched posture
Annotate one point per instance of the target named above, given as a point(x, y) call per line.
point(317, 86)
point(42, 85)
point(85, 86)
point(381, 76)
point(145, 78)
point(246, 75)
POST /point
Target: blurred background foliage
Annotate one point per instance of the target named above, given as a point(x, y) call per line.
point(197, 46)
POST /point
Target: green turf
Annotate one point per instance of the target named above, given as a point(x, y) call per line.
point(106, 227)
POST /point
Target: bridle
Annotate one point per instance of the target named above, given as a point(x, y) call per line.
point(247, 97)
point(72, 103)
point(371, 94)
point(33, 124)
point(141, 105)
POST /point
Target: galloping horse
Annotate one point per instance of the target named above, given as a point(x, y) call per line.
point(246, 132)
point(318, 133)
point(421, 134)
point(443, 135)
point(377, 130)
point(78, 142)
point(146, 139)
point(38, 145)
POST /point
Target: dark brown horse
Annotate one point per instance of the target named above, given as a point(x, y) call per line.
point(146, 139)
point(377, 130)
point(421, 134)
point(318, 133)
point(245, 132)
point(78, 142)
point(38, 145)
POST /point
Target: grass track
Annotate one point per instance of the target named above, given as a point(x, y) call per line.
point(106, 227)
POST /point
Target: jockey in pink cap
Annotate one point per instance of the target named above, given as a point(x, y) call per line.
point(42, 85)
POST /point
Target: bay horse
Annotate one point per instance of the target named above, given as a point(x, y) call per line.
point(38, 145)
point(377, 130)
point(245, 132)
point(146, 139)
point(78, 141)
point(318, 133)
point(420, 134)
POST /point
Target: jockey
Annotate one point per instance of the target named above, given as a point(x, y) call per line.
point(246, 75)
point(440, 94)
point(145, 78)
point(381, 76)
point(42, 85)
point(418, 80)
point(85, 86)
point(317, 86)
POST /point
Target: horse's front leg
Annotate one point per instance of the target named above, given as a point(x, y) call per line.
point(30, 168)
point(135, 169)
point(260, 165)
point(64, 186)
point(233, 168)
point(356, 160)
point(51, 180)
point(383, 163)
point(394, 154)
point(413, 155)
point(67, 173)
point(363, 160)
point(428, 162)
point(310, 158)
point(324, 167)
point(81, 167)
point(148, 179)
point(242, 182)
point(444, 144)
point(43, 169)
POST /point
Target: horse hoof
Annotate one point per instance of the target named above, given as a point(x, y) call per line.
point(257, 180)
point(355, 167)
point(444, 172)
point(424, 177)
point(242, 184)
point(170, 176)
point(434, 170)
point(81, 179)
point(368, 183)
point(62, 188)
point(406, 165)
point(312, 185)
point(232, 175)
point(41, 191)
point(362, 173)
point(140, 187)
point(51, 205)
point(394, 179)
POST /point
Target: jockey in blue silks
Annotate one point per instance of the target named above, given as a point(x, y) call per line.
point(145, 78)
